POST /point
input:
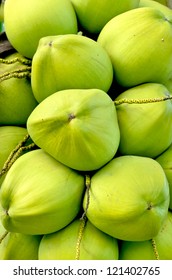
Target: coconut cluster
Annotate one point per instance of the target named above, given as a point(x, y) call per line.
point(86, 130)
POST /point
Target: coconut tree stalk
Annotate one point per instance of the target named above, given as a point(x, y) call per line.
point(17, 59)
point(155, 249)
point(83, 218)
point(20, 74)
point(16, 152)
point(3, 236)
point(141, 101)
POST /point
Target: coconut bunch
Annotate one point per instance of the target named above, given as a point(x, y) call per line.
point(86, 130)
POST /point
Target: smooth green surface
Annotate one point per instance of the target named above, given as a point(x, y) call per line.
point(40, 195)
point(77, 127)
point(129, 198)
point(62, 245)
point(69, 62)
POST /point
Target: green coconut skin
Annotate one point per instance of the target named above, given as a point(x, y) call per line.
point(1, 14)
point(33, 20)
point(165, 2)
point(145, 129)
point(165, 160)
point(77, 127)
point(131, 46)
point(129, 198)
point(10, 136)
point(16, 99)
point(69, 62)
point(158, 5)
point(95, 245)
point(18, 246)
point(165, 9)
point(144, 250)
point(94, 14)
point(40, 195)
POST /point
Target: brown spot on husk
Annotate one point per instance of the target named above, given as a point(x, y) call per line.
point(150, 206)
point(71, 116)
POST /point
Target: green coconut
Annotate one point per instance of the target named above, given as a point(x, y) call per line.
point(1, 13)
point(130, 39)
point(68, 62)
point(146, 128)
point(18, 246)
point(77, 127)
point(39, 195)
point(33, 20)
point(160, 5)
point(10, 136)
point(164, 2)
point(165, 160)
point(94, 14)
point(16, 97)
point(94, 244)
point(160, 247)
point(128, 198)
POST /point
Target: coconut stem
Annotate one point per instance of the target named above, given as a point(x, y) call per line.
point(87, 184)
point(141, 101)
point(16, 152)
point(83, 218)
point(155, 249)
point(80, 235)
point(16, 59)
point(3, 236)
point(20, 74)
